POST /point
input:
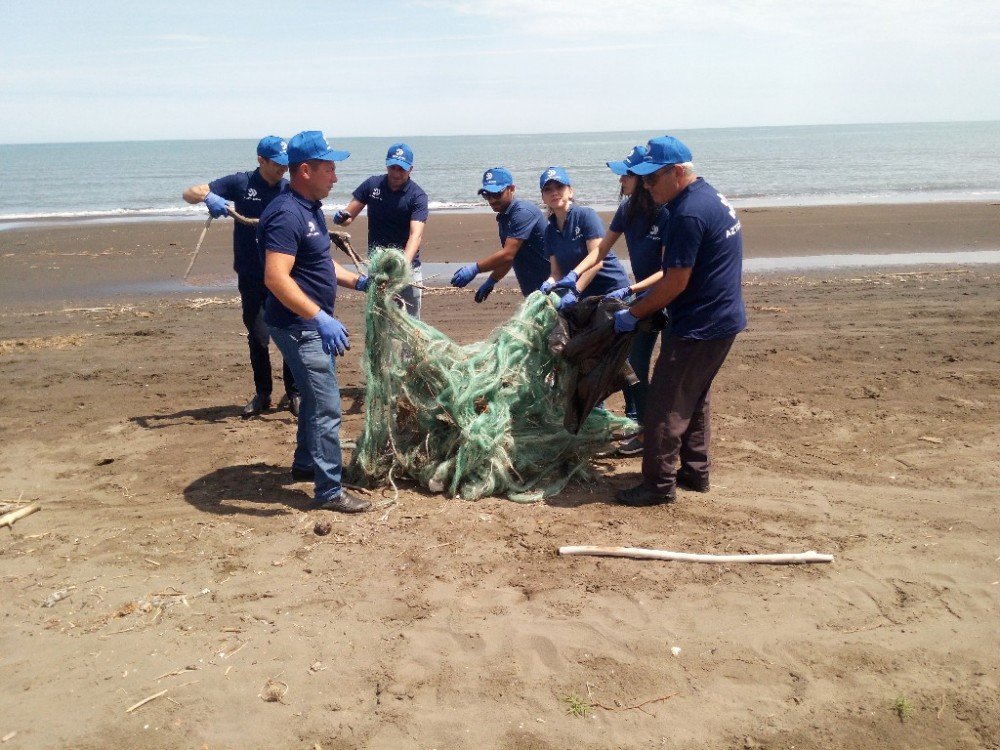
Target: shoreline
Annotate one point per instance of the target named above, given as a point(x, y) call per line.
point(70, 260)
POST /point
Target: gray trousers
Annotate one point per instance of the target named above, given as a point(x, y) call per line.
point(678, 410)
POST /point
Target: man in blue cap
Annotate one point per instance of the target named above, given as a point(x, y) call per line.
point(702, 289)
point(521, 225)
point(251, 192)
point(302, 278)
point(397, 213)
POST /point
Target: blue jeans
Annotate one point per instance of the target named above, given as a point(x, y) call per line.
point(318, 439)
point(640, 359)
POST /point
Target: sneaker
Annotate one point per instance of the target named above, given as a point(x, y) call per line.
point(627, 434)
point(642, 496)
point(303, 475)
point(257, 405)
point(345, 502)
point(630, 448)
point(692, 482)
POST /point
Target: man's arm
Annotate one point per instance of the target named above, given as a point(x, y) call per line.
point(348, 213)
point(195, 194)
point(345, 278)
point(502, 260)
point(279, 282)
point(664, 291)
point(413, 243)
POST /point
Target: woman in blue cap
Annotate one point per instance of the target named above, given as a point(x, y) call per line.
point(574, 232)
point(643, 223)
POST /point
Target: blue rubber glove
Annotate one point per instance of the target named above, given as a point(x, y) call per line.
point(333, 333)
point(484, 291)
point(568, 281)
point(464, 275)
point(568, 300)
point(625, 321)
point(216, 205)
point(547, 286)
point(622, 293)
point(340, 217)
point(362, 283)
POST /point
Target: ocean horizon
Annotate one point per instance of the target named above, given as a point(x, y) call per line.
point(754, 167)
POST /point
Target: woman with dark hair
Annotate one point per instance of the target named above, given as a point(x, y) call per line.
point(642, 222)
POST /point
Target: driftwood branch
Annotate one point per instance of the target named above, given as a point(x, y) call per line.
point(197, 248)
point(7, 519)
point(655, 554)
point(343, 241)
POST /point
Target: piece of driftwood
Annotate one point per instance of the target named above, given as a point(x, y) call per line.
point(655, 554)
point(343, 241)
point(7, 519)
point(144, 701)
point(197, 247)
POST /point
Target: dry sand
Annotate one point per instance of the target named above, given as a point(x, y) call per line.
point(858, 416)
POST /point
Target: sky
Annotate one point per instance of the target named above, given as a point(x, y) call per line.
point(154, 70)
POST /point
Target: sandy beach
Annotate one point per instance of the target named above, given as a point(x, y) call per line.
point(171, 592)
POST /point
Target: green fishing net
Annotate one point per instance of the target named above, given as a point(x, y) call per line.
point(469, 421)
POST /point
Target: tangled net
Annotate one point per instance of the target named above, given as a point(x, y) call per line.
point(470, 421)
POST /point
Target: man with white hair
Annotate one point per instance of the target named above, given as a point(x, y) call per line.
point(702, 289)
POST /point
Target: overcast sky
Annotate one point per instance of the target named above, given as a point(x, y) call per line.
point(106, 71)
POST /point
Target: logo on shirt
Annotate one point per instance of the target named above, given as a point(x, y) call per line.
point(654, 232)
point(376, 194)
point(311, 229)
point(577, 233)
point(252, 194)
point(724, 202)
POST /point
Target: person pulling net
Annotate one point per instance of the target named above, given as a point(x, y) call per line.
point(470, 421)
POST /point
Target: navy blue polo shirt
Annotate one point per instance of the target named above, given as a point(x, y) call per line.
point(525, 221)
point(391, 211)
point(250, 195)
point(643, 239)
point(704, 234)
point(296, 226)
point(569, 247)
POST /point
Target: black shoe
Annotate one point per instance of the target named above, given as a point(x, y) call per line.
point(294, 400)
point(345, 502)
point(257, 405)
point(691, 481)
point(641, 496)
point(303, 475)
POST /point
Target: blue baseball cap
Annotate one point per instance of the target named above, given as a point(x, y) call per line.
point(310, 144)
point(496, 180)
point(274, 148)
point(660, 152)
point(554, 173)
point(399, 155)
point(623, 167)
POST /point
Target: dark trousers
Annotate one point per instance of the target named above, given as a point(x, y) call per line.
point(678, 410)
point(253, 294)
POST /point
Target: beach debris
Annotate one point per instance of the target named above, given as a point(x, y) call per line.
point(57, 596)
point(639, 553)
point(197, 247)
point(8, 519)
point(274, 691)
point(322, 528)
point(144, 701)
point(928, 439)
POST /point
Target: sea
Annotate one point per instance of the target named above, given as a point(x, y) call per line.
point(759, 166)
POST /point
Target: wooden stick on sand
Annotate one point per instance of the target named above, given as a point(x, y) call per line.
point(654, 554)
point(7, 519)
